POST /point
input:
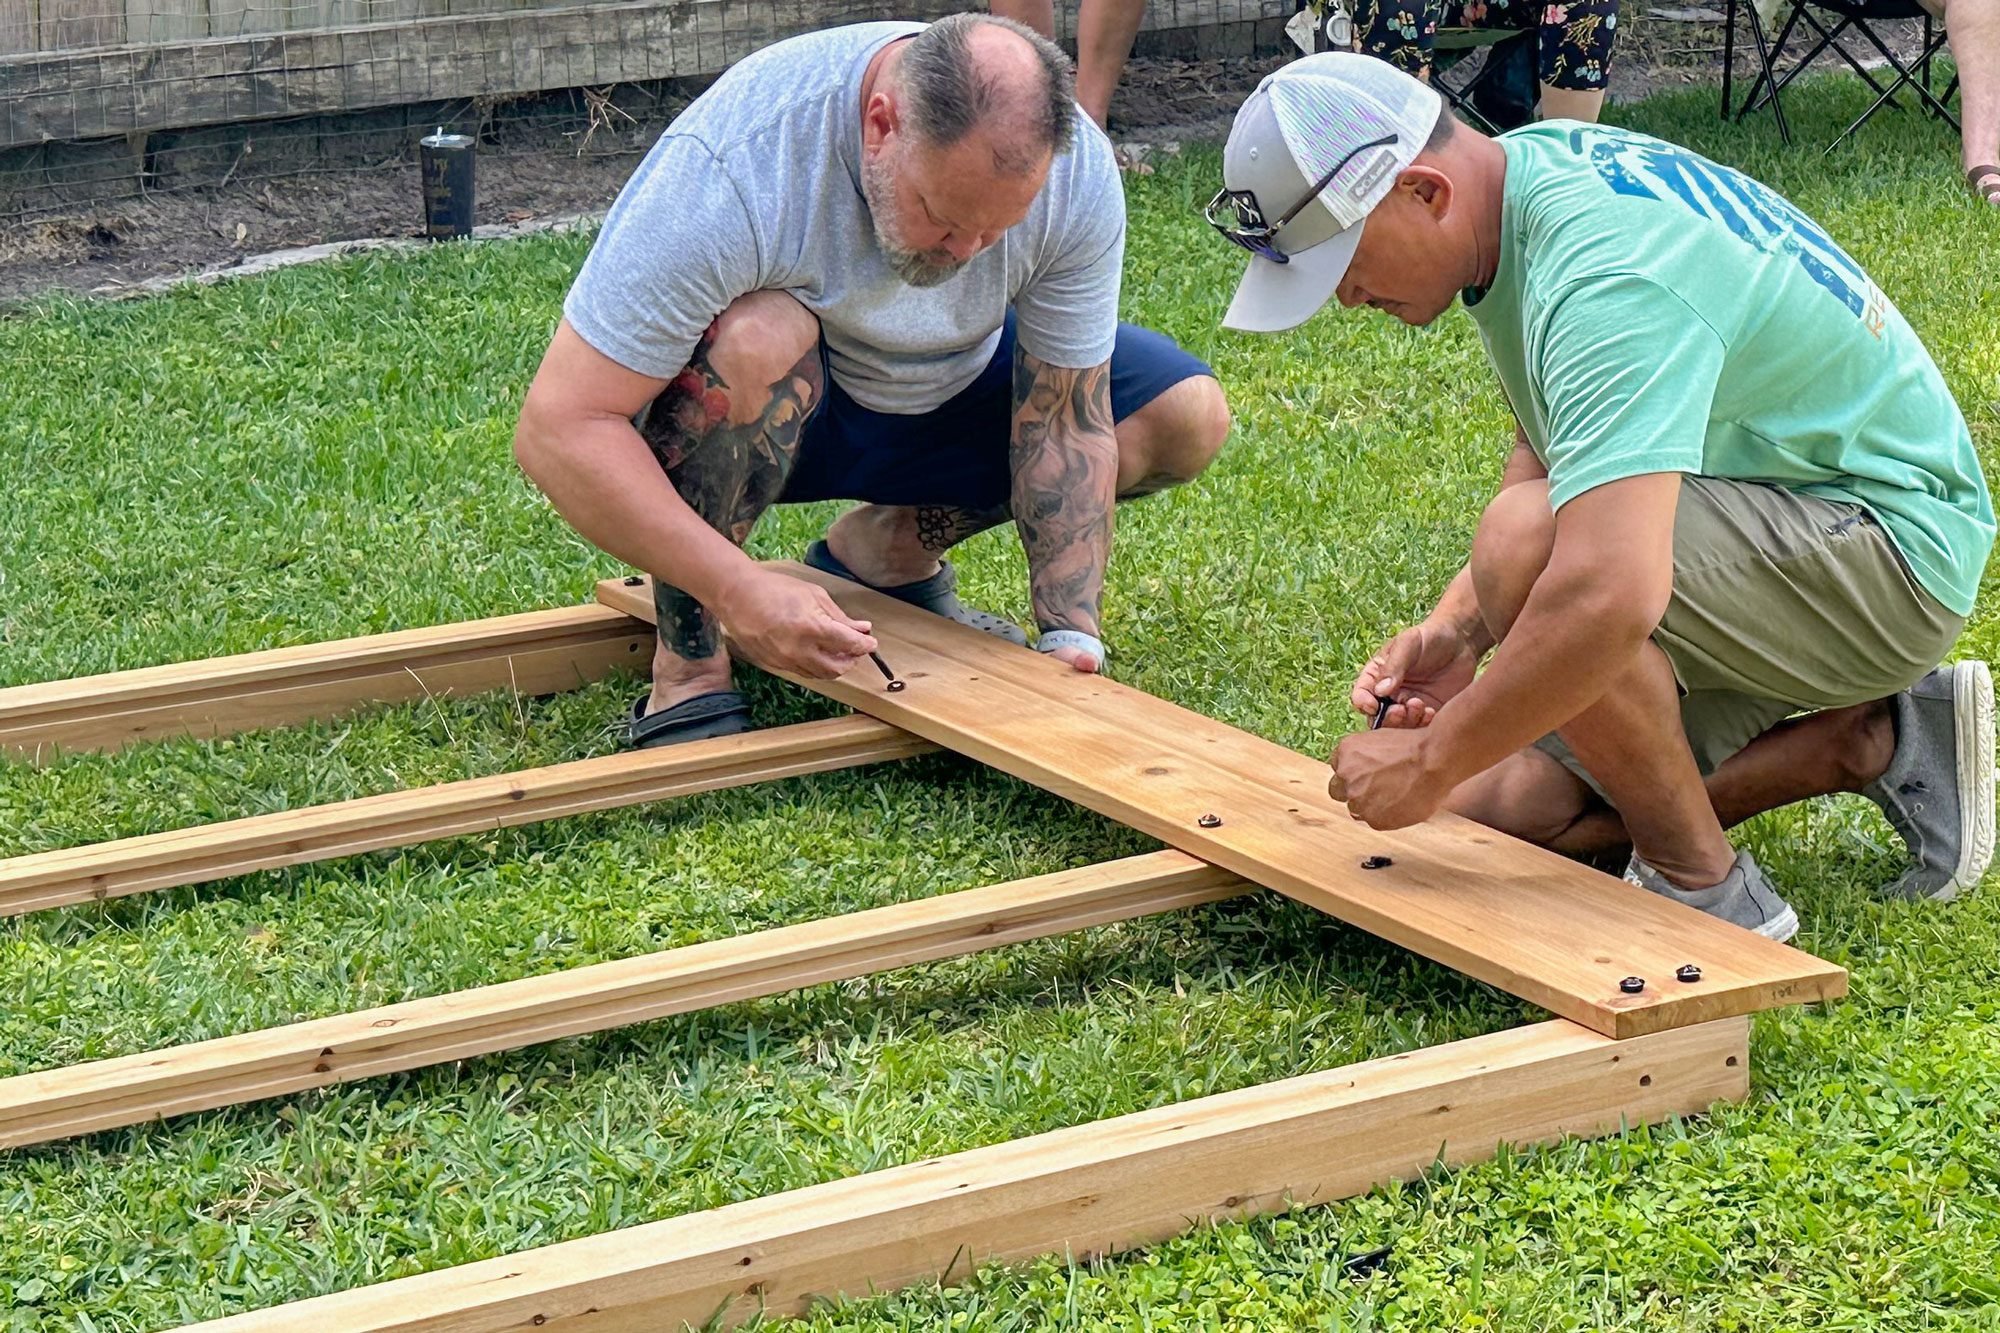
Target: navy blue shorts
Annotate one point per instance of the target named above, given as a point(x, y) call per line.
point(957, 454)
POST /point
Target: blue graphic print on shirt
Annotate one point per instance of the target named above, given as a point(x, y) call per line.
point(1756, 215)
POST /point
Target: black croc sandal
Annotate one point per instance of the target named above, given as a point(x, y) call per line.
point(937, 594)
point(724, 713)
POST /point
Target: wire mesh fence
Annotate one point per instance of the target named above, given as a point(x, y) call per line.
point(598, 123)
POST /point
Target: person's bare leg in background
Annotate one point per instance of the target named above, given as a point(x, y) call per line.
point(1973, 28)
point(1571, 103)
point(1105, 30)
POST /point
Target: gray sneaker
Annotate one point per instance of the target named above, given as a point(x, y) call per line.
point(1744, 898)
point(1938, 790)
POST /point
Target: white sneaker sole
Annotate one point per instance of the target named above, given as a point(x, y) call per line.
point(1780, 927)
point(1972, 710)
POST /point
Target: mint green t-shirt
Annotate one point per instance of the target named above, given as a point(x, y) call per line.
point(1655, 312)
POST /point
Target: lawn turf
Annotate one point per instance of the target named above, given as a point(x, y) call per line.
point(324, 452)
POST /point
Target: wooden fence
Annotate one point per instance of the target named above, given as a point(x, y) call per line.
point(198, 79)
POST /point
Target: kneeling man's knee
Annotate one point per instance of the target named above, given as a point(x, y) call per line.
point(1174, 438)
point(1528, 795)
point(762, 340)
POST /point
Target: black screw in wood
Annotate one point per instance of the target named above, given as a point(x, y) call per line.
point(895, 686)
point(633, 580)
point(1210, 821)
point(1687, 972)
point(1632, 985)
point(1377, 862)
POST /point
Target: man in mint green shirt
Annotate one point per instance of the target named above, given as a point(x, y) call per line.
point(1742, 523)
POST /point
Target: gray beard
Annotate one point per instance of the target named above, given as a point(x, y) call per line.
point(917, 268)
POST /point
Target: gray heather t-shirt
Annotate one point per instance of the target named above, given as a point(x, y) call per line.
point(757, 186)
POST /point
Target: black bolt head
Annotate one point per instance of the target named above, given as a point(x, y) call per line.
point(1687, 972)
point(895, 687)
point(633, 580)
point(1210, 821)
point(1632, 985)
point(1377, 862)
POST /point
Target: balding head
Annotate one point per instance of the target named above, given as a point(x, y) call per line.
point(975, 75)
point(960, 125)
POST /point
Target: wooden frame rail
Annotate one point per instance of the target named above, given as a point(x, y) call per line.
point(79, 1099)
point(1090, 1189)
point(538, 652)
point(206, 852)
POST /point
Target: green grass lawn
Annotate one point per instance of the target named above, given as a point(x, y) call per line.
point(324, 452)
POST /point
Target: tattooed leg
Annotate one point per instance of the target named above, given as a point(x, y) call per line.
point(1165, 443)
point(726, 431)
point(890, 544)
point(941, 527)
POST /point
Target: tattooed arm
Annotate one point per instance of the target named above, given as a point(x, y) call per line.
point(1065, 466)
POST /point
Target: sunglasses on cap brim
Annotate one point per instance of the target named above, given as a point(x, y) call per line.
point(1243, 223)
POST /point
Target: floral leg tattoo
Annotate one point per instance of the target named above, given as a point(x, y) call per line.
point(941, 527)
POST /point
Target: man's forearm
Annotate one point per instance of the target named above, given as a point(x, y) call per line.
point(1574, 637)
point(602, 478)
point(1065, 470)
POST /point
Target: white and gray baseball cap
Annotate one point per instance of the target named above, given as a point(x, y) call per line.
point(1341, 112)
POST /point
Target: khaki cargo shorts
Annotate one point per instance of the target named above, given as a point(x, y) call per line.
point(1784, 603)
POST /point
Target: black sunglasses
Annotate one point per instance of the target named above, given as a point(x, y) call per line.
point(1248, 228)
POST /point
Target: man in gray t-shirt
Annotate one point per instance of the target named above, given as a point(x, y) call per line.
point(881, 263)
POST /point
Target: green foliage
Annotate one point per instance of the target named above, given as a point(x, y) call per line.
point(325, 452)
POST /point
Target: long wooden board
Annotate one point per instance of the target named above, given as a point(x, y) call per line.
point(206, 852)
point(58, 1103)
point(1085, 1190)
point(539, 652)
point(1553, 932)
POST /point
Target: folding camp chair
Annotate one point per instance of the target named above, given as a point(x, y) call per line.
point(1824, 23)
point(1454, 47)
